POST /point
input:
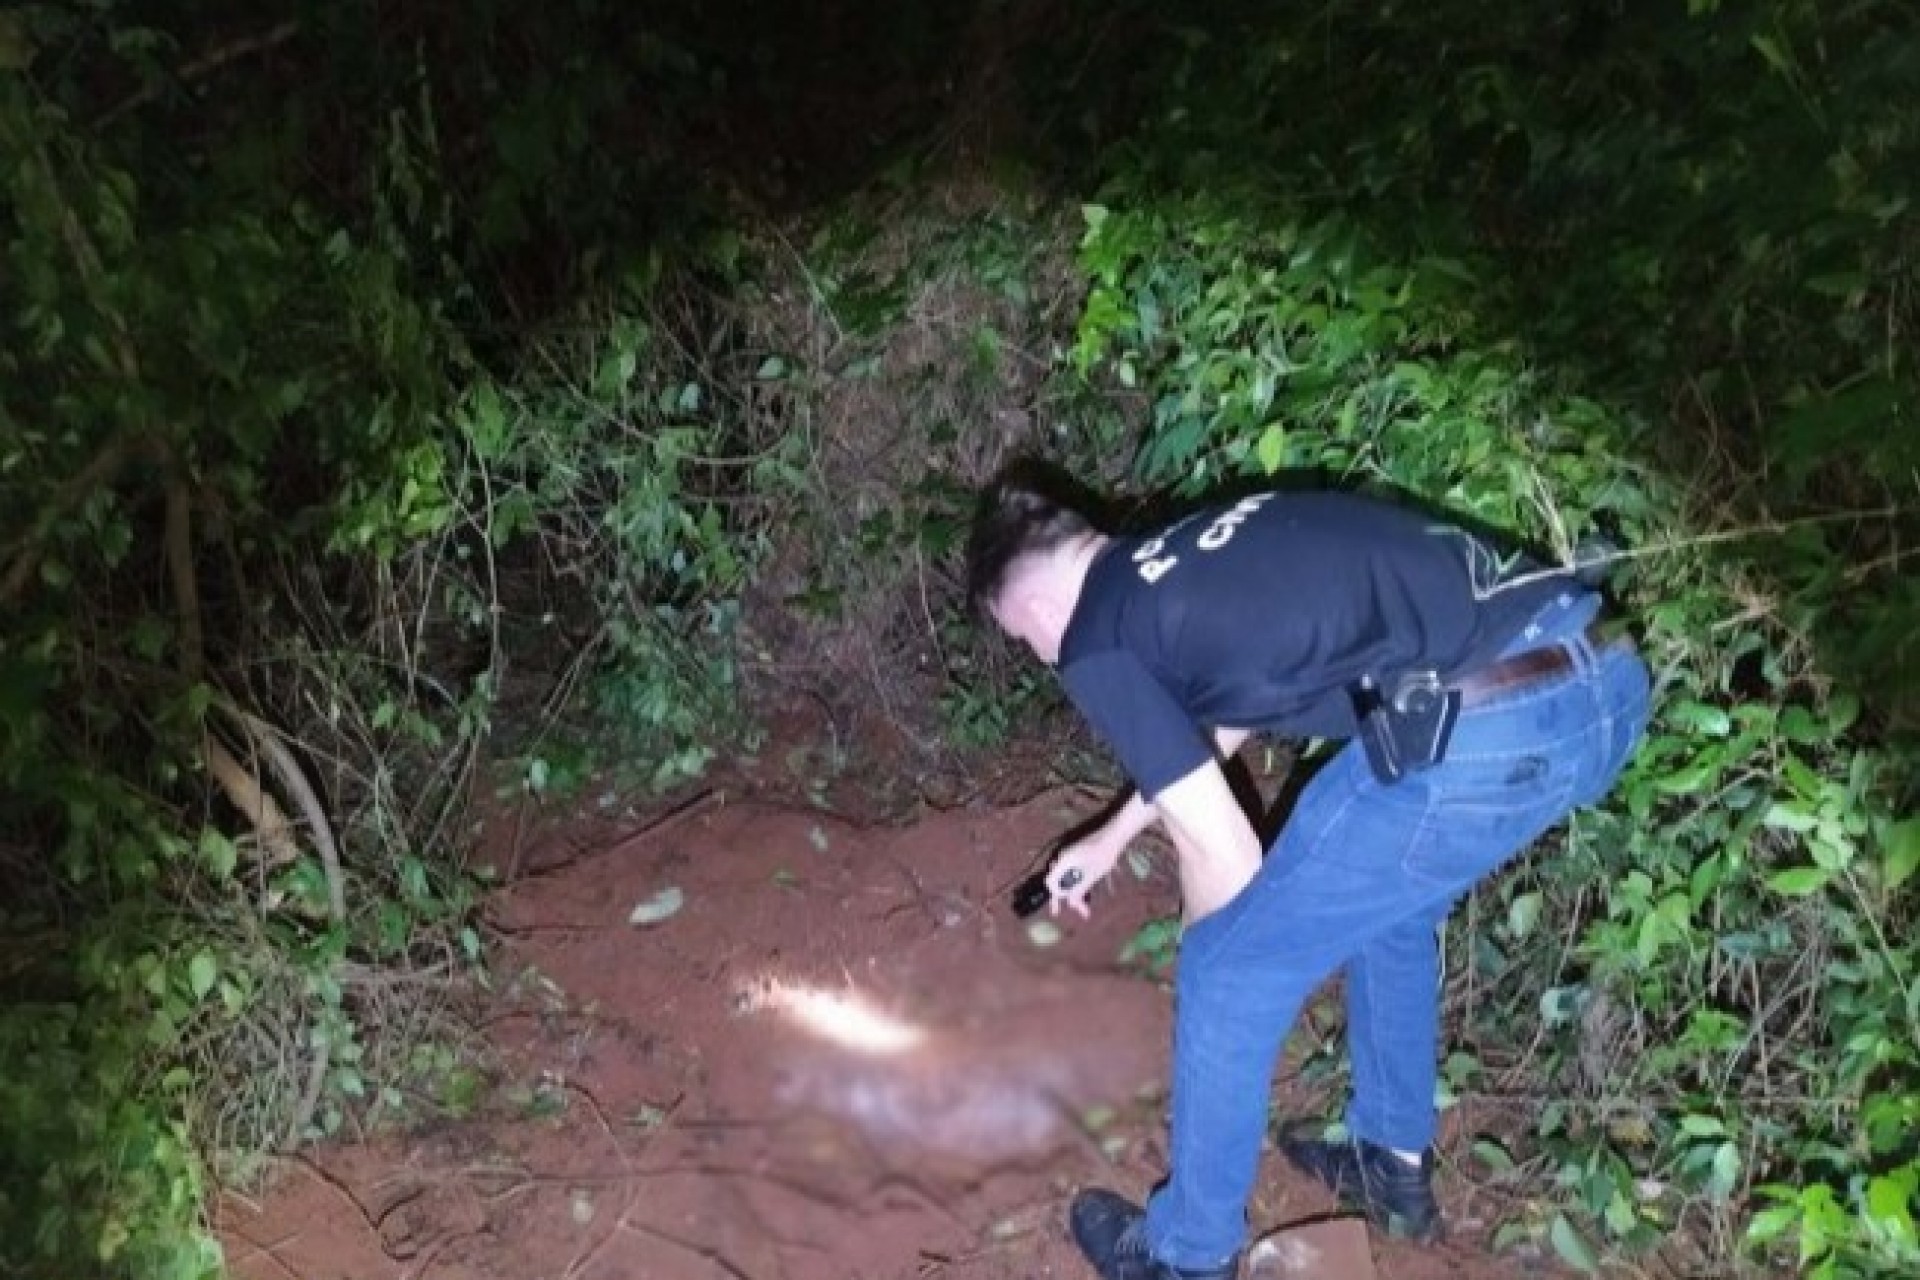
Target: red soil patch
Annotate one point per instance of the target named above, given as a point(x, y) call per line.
point(697, 1127)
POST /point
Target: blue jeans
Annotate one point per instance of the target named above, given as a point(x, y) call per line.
point(1361, 877)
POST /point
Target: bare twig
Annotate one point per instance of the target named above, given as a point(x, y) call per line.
point(269, 741)
point(1574, 918)
point(659, 825)
point(186, 588)
point(269, 1252)
point(23, 555)
point(432, 1252)
point(206, 64)
point(244, 792)
point(309, 1100)
point(585, 1258)
point(286, 768)
point(1890, 511)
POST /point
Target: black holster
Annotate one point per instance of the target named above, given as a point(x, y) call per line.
point(1406, 726)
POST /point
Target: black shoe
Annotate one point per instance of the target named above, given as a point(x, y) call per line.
point(1396, 1196)
point(1110, 1230)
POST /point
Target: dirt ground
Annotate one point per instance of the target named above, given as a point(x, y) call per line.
point(840, 1057)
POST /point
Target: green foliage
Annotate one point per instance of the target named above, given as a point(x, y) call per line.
point(280, 516)
point(978, 714)
point(1300, 267)
point(89, 1169)
point(1154, 945)
point(630, 457)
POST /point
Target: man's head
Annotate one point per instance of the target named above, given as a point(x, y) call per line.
point(1027, 560)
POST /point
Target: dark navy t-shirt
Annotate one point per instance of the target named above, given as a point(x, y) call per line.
point(1262, 615)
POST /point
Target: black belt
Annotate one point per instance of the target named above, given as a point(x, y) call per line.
point(1531, 667)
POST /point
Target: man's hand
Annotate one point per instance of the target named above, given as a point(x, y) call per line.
point(1080, 866)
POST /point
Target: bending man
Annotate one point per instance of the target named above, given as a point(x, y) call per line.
point(1485, 707)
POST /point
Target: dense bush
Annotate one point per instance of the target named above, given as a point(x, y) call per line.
point(1646, 274)
point(281, 512)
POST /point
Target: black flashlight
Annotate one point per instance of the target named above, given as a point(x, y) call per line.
point(1032, 893)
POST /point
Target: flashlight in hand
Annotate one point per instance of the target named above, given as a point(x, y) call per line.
point(1032, 893)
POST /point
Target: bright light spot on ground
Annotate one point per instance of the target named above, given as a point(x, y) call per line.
point(844, 1018)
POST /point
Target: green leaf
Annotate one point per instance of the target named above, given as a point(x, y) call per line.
point(1772, 1223)
point(1524, 913)
point(413, 879)
point(1621, 1216)
point(486, 422)
point(1726, 1172)
point(1686, 781)
point(1510, 1235)
point(1798, 725)
point(1769, 48)
point(1902, 847)
point(1822, 1221)
point(1700, 1126)
point(1572, 1246)
point(218, 852)
point(1831, 849)
point(1887, 1203)
point(1271, 450)
point(1788, 817)
point(202, 972)
point(1493, 1155)
point(1800, 881)
point(1842, 710)
point(1845, 285)
point(1698, 717)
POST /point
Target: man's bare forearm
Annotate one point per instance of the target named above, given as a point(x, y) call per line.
point(1219, 852)
point(1227, 742)
point(1139, 813)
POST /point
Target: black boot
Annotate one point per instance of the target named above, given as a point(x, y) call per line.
point(1110, 1231)
point(1396, 1196)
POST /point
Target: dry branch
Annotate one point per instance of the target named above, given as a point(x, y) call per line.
point(23, 554)
point(206, 64)
point(244, 792)
point(272, 745)
point(309, 1095)
point(186, 588)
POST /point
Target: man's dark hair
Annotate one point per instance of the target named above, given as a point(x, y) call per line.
point(1021, 512)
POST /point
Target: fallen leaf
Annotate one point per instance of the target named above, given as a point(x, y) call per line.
point(1043, 933)
point(660, 906)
